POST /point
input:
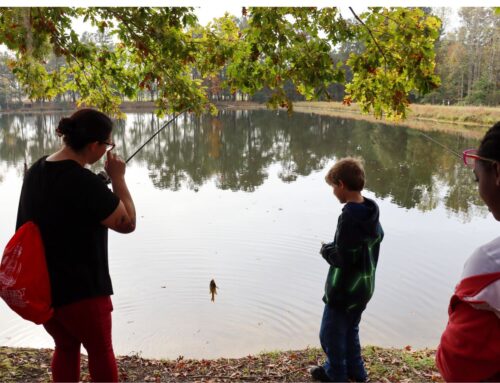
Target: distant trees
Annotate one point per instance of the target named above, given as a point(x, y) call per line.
point(10, 89)
point(467, 61)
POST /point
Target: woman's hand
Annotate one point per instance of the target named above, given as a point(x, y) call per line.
point(114, 165)
point(123, 218)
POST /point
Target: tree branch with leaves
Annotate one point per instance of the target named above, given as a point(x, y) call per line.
point(167, 49)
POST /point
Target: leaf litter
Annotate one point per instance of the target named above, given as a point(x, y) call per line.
point(382, 364)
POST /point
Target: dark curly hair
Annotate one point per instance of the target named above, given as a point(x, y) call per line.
point(83, 127)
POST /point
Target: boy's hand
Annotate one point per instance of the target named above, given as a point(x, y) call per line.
point(323, 244)
point(326, 248)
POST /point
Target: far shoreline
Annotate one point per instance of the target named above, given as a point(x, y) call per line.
point(468, 121)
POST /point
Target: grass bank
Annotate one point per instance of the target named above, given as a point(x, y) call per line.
point(461, 115)
point(383, 365)
point(469, 122)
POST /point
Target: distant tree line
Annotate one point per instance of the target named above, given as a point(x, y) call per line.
point(467, 61)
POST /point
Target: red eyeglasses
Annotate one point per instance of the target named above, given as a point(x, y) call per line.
point(470, 156)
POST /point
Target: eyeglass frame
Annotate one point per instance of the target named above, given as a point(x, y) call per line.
point(471, 153)
point(110, 145)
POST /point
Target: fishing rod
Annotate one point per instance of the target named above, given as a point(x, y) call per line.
point(103, 173)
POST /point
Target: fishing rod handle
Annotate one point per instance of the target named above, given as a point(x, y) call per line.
point(104, 177)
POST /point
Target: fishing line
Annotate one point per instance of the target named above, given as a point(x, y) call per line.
point(445, 147)
point(442, 145)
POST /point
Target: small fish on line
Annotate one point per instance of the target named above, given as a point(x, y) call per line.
point(213, 289)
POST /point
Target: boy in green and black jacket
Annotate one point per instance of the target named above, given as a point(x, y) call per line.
point(353, 257)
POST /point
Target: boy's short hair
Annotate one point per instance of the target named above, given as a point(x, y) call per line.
point(350, 171)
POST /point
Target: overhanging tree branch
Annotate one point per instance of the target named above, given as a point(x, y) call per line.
point(373, 37)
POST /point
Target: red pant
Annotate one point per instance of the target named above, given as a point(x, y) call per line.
point(86, 322)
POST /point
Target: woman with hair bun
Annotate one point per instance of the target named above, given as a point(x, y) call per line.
point(74, 208)
point(470, 345)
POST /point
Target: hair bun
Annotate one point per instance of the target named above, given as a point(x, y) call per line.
point(65, 125)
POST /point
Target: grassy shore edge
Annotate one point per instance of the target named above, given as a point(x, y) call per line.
point(383, 365)
point(478, 116)
point(458, 115)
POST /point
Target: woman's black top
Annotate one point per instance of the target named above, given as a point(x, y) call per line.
point(68, 202)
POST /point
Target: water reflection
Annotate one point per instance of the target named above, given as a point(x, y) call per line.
point(236, 149)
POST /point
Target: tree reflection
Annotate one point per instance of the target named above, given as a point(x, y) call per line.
point(25, 138)
point(236, 149)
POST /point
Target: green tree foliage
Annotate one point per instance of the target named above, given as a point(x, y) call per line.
point(165, 49)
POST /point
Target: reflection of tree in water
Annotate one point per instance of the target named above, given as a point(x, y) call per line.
point(25, 138)
point(236, 150)
point(462, 192)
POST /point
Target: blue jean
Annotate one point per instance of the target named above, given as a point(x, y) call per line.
point(339, 337)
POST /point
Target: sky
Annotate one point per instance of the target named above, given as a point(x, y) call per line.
point(218, 6)
point(207, 13)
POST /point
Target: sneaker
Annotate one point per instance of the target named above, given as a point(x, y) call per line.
point(357, 380)
point(319, 373)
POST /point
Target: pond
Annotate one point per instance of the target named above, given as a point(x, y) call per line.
point(241, 198)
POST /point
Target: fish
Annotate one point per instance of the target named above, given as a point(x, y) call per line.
point(213, 289)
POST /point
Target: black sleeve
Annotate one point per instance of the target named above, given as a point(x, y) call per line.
point(99, 201)
point(337, 252)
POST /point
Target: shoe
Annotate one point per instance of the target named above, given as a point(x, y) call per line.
point(357, 380)
point(319, 373)
point(357, 375)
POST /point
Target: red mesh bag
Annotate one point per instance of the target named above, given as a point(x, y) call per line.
point(24, 279)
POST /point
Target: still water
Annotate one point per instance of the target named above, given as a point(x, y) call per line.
point(241, 198)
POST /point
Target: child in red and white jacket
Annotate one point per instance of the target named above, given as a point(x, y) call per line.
point(470, 345)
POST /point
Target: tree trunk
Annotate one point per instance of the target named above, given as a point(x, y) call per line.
point(470, 73)
point(461, 94)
